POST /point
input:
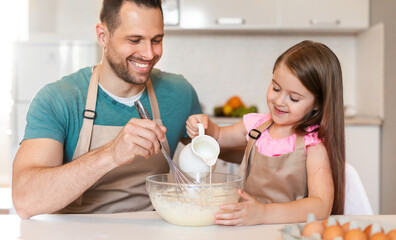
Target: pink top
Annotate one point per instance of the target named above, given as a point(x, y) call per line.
point(275, 147)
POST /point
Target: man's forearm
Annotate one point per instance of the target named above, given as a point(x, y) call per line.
point(42, 190)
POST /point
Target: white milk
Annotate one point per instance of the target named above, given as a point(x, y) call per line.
point(206, 151)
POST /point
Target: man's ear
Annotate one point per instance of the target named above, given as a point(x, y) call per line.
point(102, 34)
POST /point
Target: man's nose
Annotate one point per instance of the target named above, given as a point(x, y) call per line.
point(147, 51)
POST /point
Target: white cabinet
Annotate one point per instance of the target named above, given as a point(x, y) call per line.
point(226, 14)
point(324, 14)
point(279, 15)
point(362, 144)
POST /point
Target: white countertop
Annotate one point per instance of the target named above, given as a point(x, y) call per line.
point(138, 225)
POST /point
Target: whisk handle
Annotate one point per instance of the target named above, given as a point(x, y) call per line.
point(143, 114)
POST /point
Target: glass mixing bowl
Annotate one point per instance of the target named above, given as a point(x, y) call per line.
point(192, 204)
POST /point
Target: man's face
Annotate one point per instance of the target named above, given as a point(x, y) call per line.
point(135, 46)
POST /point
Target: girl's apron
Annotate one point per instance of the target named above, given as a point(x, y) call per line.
point(123, 188)
point(274, 179)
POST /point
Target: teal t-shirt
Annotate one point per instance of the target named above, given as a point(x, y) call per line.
point(56, 111)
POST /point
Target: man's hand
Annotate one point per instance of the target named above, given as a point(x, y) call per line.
point(139, 137)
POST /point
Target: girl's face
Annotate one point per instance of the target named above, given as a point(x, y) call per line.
point(287, 98)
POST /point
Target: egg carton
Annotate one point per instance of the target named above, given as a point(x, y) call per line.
point(293, 232)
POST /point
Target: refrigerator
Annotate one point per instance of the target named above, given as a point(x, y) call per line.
point(37, 63)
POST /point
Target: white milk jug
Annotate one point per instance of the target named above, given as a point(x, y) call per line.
point(199, 155)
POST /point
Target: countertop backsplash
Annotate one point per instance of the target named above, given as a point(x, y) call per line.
point(220, 65)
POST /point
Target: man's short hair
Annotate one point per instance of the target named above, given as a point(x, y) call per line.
point(111, 8)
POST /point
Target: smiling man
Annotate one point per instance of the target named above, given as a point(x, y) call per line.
point(85, 150)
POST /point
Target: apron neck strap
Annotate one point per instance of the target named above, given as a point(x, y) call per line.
point(90, 106)
point(153, 102)
point(256, 133)
point(155, 109)
point(89, 113)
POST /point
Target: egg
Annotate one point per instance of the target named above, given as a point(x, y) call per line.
point(345, 226)
point(332, 232)
point(392, 234)
point(355, 234)
point(379, 236)
point(324, 222)
point(312, 228)
point(368, 230)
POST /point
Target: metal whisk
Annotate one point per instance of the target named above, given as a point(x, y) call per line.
point(179, 175)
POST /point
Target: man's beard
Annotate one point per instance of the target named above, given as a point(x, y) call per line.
point(122, 72)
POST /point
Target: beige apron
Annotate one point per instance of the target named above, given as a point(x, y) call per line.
point(123, 188)
point(274, 179)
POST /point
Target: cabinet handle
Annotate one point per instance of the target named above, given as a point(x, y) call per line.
point(230, 21)
point(320, 22)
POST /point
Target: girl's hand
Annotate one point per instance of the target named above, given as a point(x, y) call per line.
point(192, 124)
point(248, 212)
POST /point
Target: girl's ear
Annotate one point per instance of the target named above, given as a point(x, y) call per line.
point(315, 110)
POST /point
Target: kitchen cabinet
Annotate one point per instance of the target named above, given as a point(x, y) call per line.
point(324, 14)
point(278, 15)
point(362, 146)
point(225, 14)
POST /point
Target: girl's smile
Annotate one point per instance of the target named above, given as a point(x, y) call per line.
point(279, 111)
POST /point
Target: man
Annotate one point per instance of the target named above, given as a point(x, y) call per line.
point(85, 150)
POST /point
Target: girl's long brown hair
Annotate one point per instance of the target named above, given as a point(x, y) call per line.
point(319, 70)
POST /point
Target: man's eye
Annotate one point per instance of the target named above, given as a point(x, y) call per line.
point(156, 41)
point(134, 41)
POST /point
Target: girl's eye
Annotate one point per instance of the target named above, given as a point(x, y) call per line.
point(276, 89)
point(293, 99)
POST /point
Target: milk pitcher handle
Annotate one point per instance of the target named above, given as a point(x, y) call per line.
point(201, 129)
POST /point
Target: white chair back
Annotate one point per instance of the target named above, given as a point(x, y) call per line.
point(356, 200)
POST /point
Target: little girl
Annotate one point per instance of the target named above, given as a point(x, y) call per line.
point(294, 162)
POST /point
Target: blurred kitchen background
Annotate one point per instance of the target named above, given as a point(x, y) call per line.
point(224, 48)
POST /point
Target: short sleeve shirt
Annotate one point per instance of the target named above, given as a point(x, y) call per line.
point(56, 111)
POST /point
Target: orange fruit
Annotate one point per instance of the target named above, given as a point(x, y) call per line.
point(235, 102)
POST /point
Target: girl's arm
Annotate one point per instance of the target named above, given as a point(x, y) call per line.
point(319, 200)
point(229, 136)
